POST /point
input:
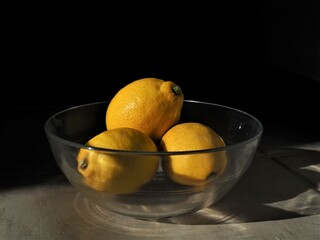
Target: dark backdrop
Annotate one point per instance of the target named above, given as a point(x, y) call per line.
point(260, 56)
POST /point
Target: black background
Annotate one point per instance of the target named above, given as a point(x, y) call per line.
point(261, 57)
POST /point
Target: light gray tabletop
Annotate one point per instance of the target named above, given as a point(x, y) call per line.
point(277, 198)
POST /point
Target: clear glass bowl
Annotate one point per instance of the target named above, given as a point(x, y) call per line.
point(67, 132)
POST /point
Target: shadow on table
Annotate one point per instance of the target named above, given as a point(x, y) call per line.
point(269, 190)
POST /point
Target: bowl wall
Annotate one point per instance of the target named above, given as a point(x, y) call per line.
point(68, 130)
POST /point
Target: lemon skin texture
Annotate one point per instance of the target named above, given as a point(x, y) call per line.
point(116, 172)
point(192, 169)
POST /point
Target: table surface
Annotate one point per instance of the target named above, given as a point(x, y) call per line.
point(277, 198)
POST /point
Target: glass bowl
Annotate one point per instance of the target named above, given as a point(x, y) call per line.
point(68, 131)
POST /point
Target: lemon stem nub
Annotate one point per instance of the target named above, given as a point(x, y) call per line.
point(177, 90)
point(83, 164)
point(211, 176)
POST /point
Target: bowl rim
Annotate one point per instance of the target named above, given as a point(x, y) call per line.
point(158, 153)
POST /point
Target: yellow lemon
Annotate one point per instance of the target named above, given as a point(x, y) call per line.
point(150, 105)
point(115, 172)
point(192, 169)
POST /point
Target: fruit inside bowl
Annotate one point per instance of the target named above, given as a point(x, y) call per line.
point(162, 177)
